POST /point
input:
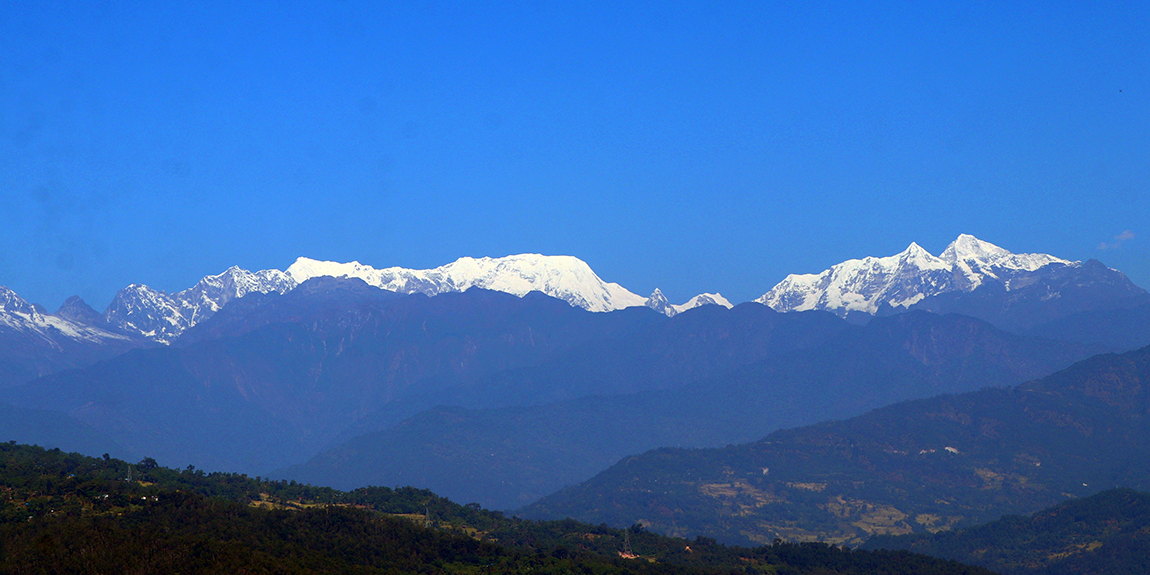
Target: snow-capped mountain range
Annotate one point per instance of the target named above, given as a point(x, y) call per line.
point(900, 281)
point(858, 286)
point(20, 316)
point(658, 302)
point(161, 317)
point(564, 277)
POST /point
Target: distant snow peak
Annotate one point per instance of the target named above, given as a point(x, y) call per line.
point(967, 247)
point(702, 300)
point(659, 303)
point(16, 313)
point(212, 292)
point(564, 277)
point(903, 279)
point(11, 302)
point(162, 317)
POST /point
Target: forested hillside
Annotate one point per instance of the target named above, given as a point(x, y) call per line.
point(66, 513)
point(1104, 534)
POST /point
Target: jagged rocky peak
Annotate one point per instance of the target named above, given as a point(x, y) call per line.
point(11, 302)
point(659, 303)
point(162, 317)
point(866, 285)
point(77, 310)
point(141, 310)
point(16, 313)
point(213, 292)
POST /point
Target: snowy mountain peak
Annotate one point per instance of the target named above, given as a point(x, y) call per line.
point(212, 292)
point(701, 300)
point(565, 277)
point(659, 303)
point(11, 302)
point(916, 253)
point(915, 250)
point(16, 313)
point(967, 247)
point(902, 280)
point(161, 317)
point(306, 268)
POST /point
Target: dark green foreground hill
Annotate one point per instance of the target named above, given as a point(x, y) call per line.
point(1107, 533)
point(66, 513)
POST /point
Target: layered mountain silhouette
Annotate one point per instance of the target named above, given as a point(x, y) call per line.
point(918, 466)
point(821, 367)
point(501, 380)
point(299, 368)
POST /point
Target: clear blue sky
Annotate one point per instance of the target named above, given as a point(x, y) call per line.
point(694, 147)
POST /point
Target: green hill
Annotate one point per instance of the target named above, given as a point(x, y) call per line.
point(66, 513)
point(1107, 533)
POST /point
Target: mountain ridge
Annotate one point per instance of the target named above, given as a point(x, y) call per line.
point(160, 317)
point(853, 288)
point(919, 466)
point(904, 279)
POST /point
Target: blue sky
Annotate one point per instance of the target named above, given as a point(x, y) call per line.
point(689, 146)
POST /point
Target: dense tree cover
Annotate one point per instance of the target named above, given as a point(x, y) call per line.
point(1108, 533)
point(66, 513)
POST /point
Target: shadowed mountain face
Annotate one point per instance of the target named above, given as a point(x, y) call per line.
point(917, 466)
point(1050, 294)
point(35, 343)
point(270, 379)
point(1119, 329)
point(508, 457)
point(305, 365)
